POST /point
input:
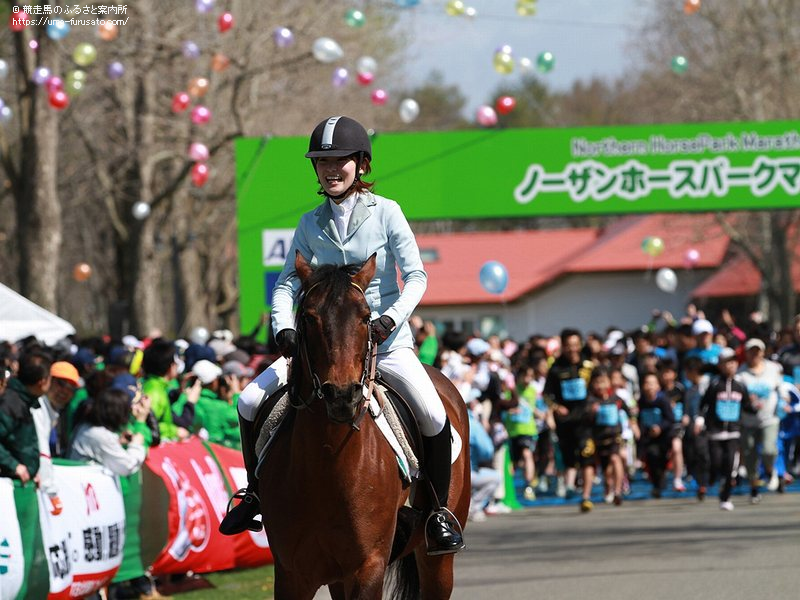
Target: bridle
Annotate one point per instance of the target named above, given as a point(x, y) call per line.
point(367, 376)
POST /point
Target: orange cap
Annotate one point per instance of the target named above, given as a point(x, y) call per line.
point(64, 370)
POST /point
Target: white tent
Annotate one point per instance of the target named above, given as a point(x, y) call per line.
point(19, 317)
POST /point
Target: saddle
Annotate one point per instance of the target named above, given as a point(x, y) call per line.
point(390, 411)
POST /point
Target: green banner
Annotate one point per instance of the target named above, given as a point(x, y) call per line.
point(484, 174)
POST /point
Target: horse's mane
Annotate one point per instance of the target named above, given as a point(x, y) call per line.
point(338, 278)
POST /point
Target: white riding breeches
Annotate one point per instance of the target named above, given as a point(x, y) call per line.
point(401, 369)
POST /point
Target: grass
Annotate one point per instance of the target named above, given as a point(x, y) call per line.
point(245, 584)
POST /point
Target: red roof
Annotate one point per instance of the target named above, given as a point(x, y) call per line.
point(739, 277)
point(536, 258)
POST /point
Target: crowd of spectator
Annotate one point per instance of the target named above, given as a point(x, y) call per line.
point(680, 400)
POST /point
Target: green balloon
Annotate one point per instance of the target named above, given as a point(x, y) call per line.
point(355, 18)
point(84, 54)
point(545, 62)
point(679, 64)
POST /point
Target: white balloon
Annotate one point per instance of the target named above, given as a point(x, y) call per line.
point(525, 64)
point(141, 210)
point(667, 280)
point(327, 50)
point(409, 110)
point(5, 114)
point(366, 65)
point(3, 69)
point(199, 335)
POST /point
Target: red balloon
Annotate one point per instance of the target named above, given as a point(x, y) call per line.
point(225, 22)
point(200, 172)
point(365, 78)
point(505, 104)
point(180, 102)
point(17, 21)
point(59, 99)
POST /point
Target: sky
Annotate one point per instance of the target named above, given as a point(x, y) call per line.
point(587, 37)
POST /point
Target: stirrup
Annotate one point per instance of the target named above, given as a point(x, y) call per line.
point(248, 499)
point(453, 522)
point(243, 494)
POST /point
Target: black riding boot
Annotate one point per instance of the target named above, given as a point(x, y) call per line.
point(242, 516)
point(442, 530)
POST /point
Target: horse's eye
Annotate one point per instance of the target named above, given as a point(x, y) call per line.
point(366, 320)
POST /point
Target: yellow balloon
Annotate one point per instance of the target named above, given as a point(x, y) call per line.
point(503, 63)
point(455, 7)
point(654, 246)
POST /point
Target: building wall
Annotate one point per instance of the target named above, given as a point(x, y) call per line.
point(587, 301)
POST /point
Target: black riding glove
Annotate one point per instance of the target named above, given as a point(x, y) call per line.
point(382, 328)
point(287, 342)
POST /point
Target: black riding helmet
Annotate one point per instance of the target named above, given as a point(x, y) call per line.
point(337, 137)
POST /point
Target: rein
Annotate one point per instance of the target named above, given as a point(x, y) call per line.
point(367, 376)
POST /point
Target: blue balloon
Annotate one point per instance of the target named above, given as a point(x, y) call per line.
point(406, 3)
point(57, 29)
point(494, 277)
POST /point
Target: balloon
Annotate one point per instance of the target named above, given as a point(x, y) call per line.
point(679, 65)
point(545, 62)
point(199, 336)
point(409, 110)
point(198, 87)
point(503, 63)
point(691, 6)
point(225, 22)
point(33, 45)
point(379, 97)
point(84, 54)
point(204, 6)
point(365, 78)
point(470, 12)
point(219, 62)
point(140, 211)
point(200, 115)
point(366, 64)
point(283, 37)
point(666, 280)
point(57, 29)
point(190, 49)
point(115, 70)
point(58, 99)
point(486, 116)
point(40, 75)
point(505, 104)
point(17, 21)
point(199, 174)
point(75, 81)
point(3, 69)
point(5, 114)
point(54, 84)
point(81, 272)
point(107, 30)
point(198, 152)
point(406, 3)
point(653, 246)
point(525, 64)
point(355, 18)
point(493, 277)
point(526, 8)
point(454, 8)
point(504, 49)
point(691, 258)
point(326, 50)
point(340, 77)
point(180, 102)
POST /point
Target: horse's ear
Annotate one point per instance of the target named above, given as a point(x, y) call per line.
point(367, 272)
point(302, 267)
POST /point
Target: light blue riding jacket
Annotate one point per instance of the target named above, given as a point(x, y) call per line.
point(377, 224)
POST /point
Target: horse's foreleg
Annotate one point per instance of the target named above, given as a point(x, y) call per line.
point(366, 583)
point(435, 574)
point(291, 586)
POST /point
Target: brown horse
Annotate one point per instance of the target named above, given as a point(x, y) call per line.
point(330, 491)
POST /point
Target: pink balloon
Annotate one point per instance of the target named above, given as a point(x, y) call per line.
point(365, 78)
point(198, 152)
point(486, 116)
point(225, 22)
point(379, 97)
point(692, 257)
point(201, 115)
point(180, 102)
point(199, 173)
point(54, 84)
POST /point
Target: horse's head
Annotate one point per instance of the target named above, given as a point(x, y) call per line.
point(333, 328)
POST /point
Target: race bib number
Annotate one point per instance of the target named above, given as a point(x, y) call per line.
point(573, 390)
point(677, 411)
point(650, 417)
point(796, 375)
point(523, 414)
point(728, 410)
point(607, 415)
point(759, 389)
